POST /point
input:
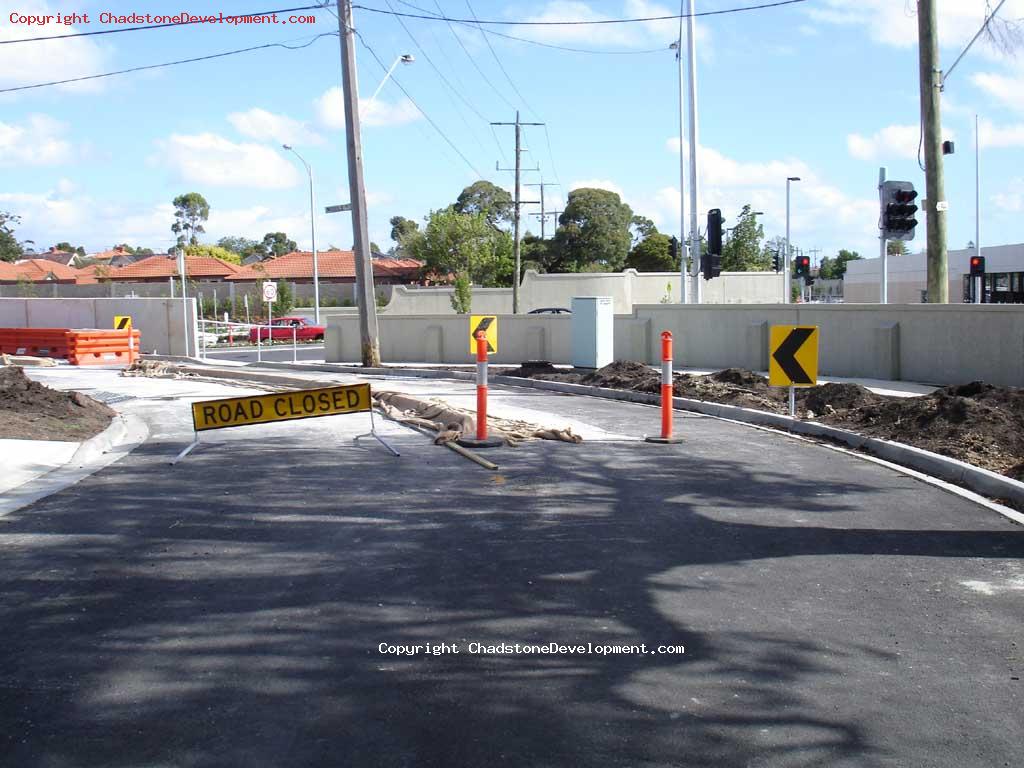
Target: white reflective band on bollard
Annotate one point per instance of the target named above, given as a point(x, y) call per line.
point(481, 374)
point(666, 372)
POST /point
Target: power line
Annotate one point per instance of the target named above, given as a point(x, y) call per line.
point(671, 17)
point(500, 65)
point(220, 18)
point(169, 63)
point(418, 107)
point(538, 42)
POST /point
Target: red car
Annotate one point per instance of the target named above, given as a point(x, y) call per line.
point(281, 330)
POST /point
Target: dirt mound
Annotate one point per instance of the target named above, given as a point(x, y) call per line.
point(974, 422)
point(32, 411)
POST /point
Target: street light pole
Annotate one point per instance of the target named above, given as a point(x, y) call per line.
point(695, 283)
point(312, 227)
point(787, 298)
point(684, 290)
point(405, 58)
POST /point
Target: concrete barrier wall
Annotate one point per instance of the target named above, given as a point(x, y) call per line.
point(160, 322)
point(556, 290)
point(939, 344)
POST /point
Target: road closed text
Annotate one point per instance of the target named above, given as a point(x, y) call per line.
point(280, 406)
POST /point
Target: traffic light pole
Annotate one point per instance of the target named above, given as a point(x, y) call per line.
point(883, 251)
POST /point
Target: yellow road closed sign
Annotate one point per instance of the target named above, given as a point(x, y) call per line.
point(280, 406)
point(793, 356)
point(489, 325)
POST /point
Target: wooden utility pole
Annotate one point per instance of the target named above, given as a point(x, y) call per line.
point(518, 203)
point(935, 202)
point(543, 213)
point(366, 298)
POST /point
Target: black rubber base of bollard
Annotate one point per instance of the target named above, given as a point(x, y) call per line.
point(472, 442)
point(670, 440)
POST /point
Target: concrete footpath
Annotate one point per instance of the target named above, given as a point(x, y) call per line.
point(740, 599)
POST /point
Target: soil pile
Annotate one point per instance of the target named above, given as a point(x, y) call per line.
point(32, 411)
point(977, 422)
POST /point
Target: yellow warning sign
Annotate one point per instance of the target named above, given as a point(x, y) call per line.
point(793, 356)
point(489, 325)
point(122, 322)
point(281, 406)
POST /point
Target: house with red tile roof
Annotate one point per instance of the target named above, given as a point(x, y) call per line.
point(37, 270)
point(333, 267)
point(161, 267)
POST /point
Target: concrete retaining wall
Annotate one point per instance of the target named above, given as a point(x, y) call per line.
point(556, 290)
point(938, 344)
point(160, 322)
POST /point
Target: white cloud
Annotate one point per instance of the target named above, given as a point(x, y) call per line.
point(639, 35)
point(374, 199)
point(262, 125)
point(31, 63)
point(1012, 200)
point(1007, 90)
point(207, 158)
point(992, 135)
point(330, 109)
point(37, 141)
point(898, 140)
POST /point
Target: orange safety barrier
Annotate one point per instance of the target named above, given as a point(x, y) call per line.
point(78, 347)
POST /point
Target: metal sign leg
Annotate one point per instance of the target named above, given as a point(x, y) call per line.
point(373, 433)
point(187, 450)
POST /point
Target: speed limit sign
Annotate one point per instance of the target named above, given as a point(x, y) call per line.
point(270, 292)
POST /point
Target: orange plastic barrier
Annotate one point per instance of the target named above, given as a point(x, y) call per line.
point(77, 346)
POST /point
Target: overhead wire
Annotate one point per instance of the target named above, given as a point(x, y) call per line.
point(169, 64)
point(500, 65)
point(413, 101)
point(638, 20)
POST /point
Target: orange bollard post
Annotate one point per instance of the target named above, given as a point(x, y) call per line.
point(481, 440)
point(666, 392)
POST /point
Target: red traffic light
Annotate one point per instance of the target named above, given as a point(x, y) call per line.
point(977, 265)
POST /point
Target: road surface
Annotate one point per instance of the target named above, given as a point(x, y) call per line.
point(232, 610)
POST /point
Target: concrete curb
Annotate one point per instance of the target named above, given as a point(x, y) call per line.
point(125, 434)
point(982, 481)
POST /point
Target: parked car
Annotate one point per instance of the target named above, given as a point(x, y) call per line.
point(550, 311)
point(281, 330)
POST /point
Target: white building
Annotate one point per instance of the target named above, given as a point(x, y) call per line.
point(908, 277)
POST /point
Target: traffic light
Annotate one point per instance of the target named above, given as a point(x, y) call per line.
point(977, 266)
point(711, 265)
point(803, 266)
point(898, 209)
point(777, 261)
point(715, 231)
point(673, 249)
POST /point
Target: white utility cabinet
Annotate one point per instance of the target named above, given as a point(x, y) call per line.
point(593, 331)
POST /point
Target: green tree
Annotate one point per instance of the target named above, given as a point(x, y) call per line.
point(593, 232)
point(641, 228)
point(11, 249)
point(535, 253)
point(136, 251)
point(402, 229)
point(243, 246)
point(214, 251)
point(467, 247)
point(896, 248)
point(743, 252)
point(276, 244)
point(834, 269)
point(67, 247)
point(652, 255)
point(190, 210)
point(488, 199)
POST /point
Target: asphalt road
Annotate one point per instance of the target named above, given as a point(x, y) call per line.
point(229, 611)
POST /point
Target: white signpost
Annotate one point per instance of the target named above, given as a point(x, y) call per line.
point(270, 296)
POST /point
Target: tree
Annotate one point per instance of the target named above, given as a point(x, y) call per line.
point(276, 244)
point(243, 246)
point(488, 199)
point(652, 255)
point(402, 231)
point(11, 249)
point(743, 252)
point(834, 269)
point(640, 228)
point(466, 247)
point(67, 247)
point(214, 251)
point(190, 210)
point(593, 232)
point(896, 248)
point(139, 251)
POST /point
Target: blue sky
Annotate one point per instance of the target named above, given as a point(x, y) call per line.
point(825, 90)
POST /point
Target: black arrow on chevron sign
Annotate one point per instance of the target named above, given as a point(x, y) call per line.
point(483, 325)
point(784, 355)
